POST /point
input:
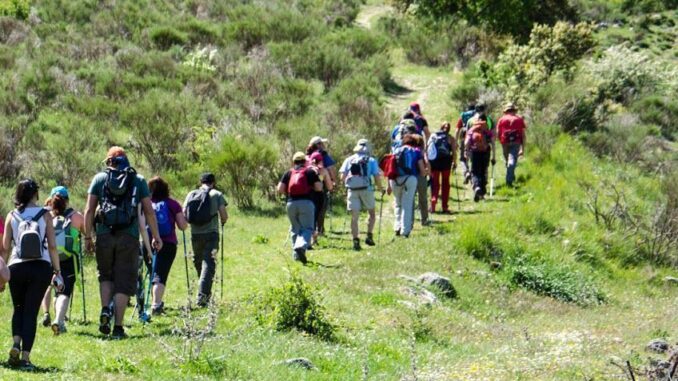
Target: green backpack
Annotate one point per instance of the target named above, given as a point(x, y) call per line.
point(67, 237)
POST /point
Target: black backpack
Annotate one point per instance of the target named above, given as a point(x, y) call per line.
point(118, 206)
point(443, 150)
point(198, 207)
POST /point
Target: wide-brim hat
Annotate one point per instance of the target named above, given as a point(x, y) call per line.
point(317, 140)
point(363, 145)
point(510, 107)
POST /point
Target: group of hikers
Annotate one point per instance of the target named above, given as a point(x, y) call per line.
point(417, 159)
point(131, 225)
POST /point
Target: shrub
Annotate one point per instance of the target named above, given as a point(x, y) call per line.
point(164, 37)
point(296, 306)
point(239, 159)
point(558, 282)
point(660, 111)
point(477, 242)
point(15, 8)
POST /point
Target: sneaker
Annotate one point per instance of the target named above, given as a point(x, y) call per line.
point(55, 329)
point(467, 178)
point(426, 223)
point(46, 319)
point(300, 255)
point(118, 333)
point(446, 211)
point(105, 321)
point(356, 244)
point(397, 233)
point(26, 366)
point(203, 300)
point(477, 195)
point(159, 310)
point(369, 241)
point(14, 353)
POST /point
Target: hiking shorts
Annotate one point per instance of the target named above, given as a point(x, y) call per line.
point(118, 261)
point(360, 199)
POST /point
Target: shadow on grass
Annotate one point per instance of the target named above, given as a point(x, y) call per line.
point(267, 211)
point(497, 199)
point(319, 264)
point(36, 369)
point(393, 88)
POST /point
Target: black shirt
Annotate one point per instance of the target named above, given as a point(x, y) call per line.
point(312, 178)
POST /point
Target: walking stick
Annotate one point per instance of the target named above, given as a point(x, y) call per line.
point(188, 283)
point(329, 209)
point(82, 283)
point(145, 317)
point(456, 186)
point(381, 209)
point(222, 263)
point(492, 183)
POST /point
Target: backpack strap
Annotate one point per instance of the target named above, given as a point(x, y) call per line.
point(17, 216)
point(39, 215)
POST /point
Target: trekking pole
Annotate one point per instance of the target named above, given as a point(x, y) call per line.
point(222, 263)
point(82, 283)
point(456, 186)
point(145, 317)
point(492, 183)
point(188, 283)
point(381, 209)
point(329, 209)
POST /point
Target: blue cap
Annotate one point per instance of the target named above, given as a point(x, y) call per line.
point(60, 190)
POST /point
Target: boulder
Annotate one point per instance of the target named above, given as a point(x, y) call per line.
point(423, 295)
point(440, 282)
point(300, 362)
point(658, 346)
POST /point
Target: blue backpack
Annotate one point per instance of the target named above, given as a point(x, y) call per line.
point(162, 214)
point(405, 161)
point(465, 116)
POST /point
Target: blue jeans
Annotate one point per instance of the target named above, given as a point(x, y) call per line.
point(301, 213)
point(511, 158)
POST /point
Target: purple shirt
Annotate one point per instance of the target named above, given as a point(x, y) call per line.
point(174, 208)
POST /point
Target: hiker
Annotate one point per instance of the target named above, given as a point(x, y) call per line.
point(298, 185)
point(420, 121)
point(315, 162)
point(170, 215)
point(118, 192)
point(318, 144)
point(442, 158)
point(4, 270)
point(404, 127)
point(68, 227)
point(410, 162)
point(511, 132)
point(32, 264)
point(479, 147)
point(205, 210)
point(360, 173)
point(460, 136)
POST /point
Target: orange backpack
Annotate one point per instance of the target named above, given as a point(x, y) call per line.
point(480, 136)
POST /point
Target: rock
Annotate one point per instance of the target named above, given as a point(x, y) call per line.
point(440, 282)
point(671, 280)
point(300, 362)
point(658, 346)
point(495, 265)
point(423, 296)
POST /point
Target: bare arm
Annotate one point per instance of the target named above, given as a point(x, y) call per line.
point(151, 221)
point(282, 188)
point(333, 173)
point(329, 185)
point(7, 238)
point(180, 219)
point(51, 242)
point(144, 232)
point(78, 222)
point(377, 182)
point(422, 166)
point(223, 214)
point(318, 186)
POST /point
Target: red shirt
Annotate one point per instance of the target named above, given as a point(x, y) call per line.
point(2, 226)
point(508, 124)
point(460, 124)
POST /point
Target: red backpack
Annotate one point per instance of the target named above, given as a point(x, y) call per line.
point(479, 137)
point(298, 185)
point(389, 165)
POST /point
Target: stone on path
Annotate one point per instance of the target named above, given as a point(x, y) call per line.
point(658, 346)
point(300, 362)
point(440, 282)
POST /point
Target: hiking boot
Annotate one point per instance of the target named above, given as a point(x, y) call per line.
point(300, 255)
point(105, 321)
point(397, 233)
point(477, 195)
point(14, 353)
point(46, 319)
point(203, 300)
point(118, 333)
point(159, 310)
point(369, 241)
point(26, 366)
point(426, 223)
point(58, 329)
point(356, 244)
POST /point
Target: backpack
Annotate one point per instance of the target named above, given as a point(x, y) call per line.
point(439, 143)
point(389, 166)
point(65, 236)
point(118, 206)
point(358, 177)
point(404, 157)
point(31, 243)
point(465, 116)
point(198, 207)
point(162, 215)
point(298, 185)
point(399, 132)
point(479, 137)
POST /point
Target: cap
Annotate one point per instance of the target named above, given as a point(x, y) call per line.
point(316, 156)
point(60, 190)
point(115, 151)
point(317, 140)
point(207, 178)
point(510, 107)
point(414, 106)
point(363, 145)
point(299, 156)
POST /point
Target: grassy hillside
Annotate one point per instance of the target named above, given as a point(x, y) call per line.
point(556, 279)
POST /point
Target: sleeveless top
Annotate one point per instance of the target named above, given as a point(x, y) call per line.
point(26, 214)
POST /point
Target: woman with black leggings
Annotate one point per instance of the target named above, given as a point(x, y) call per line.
point(32, 266)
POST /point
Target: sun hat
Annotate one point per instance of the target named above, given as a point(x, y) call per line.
point(299, 156)
point(317, 140)
point(510, 107)
point(363, 145)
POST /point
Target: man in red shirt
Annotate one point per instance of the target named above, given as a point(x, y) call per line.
point(511, 132)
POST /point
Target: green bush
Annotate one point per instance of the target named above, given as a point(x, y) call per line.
point(660, 111)
point(296, 306)
point(558, 282)
point(476, 241)
point(15, 8)
point(164, 37)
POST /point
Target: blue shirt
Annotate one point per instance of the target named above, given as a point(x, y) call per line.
point(327, 159)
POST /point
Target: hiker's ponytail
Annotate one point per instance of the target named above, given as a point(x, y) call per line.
point(58, 204)
point(26, 190)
